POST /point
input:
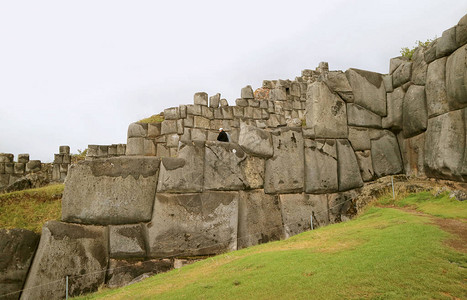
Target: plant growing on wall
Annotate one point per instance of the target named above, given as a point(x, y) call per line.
point(408, 52)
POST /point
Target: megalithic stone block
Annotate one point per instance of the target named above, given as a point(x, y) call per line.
point(117, 190)
point(193, 224)
point(23, 158)
point(415, 114)
point(321, 166)
point(385, 154)
point(67, 250)
point(255, 141)
point(348, 170)
point(64, 149)
point(127, 241)
point(201, 98)
point(456, 78)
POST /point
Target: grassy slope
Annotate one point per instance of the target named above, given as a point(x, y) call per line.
point(30, 209)
point(385, 253)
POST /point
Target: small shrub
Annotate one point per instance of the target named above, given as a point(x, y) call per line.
point(408, 52)
point(79, 157)
point(153, 119)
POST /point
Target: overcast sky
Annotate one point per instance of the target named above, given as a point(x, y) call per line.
point(78, 72)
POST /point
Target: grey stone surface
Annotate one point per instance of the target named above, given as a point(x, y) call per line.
point(348, 170)
point(430, 52)
point(338, 83)
point(194, 110)
point(117, 190)
point(162, 150)
point(64, 149)
point(415, 114)
point(137, 130)
point(200, 98)
point(169, 126)
point(395, 62)
point(33, 166)
point(395, 101)
point(368, 90)
point(193, 224)
point(285, 170)
point(365, 164)
point(412, 152)
point(456, 78)
point(402, 74)
point(359, 138)
point(321, 166)
point(241, 102)
point(214, 100)
point(224, 103)
point(298, 210)
point(201, 122)
point(184, 173)
point(446, 43)
point(172, 140)
point(135, 146)
point(385, 154)
point(19, 168)
point(325, 112)
point(126, 241)
point(183, 111)
point(124, 272)
point(255, 141)
point(436, 95)
point(341, 206)
point(359, 116)
point(198, 134)
point(461, 31)
point(222, 169)
point(207, 112)
point(247, 92)
point(387, 81)
point(23, 158)
point(259, 218)
point(253, 171)
point(17, 248)
point(419, 67)
point(6, 157)
point(67, 249)
point(171, 113)
point(445, 145)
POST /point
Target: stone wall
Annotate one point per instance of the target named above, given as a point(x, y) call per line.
point(11, 171)
point(300, 154)
point(104, 151)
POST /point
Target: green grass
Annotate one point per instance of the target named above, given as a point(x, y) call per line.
point(440, 206)
point(30, 209)
point(385, 253)
point(153, 119)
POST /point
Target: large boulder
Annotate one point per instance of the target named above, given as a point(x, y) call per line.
point(445, 144)
point(436, 95)
point(348, 170)
point(284, 171)
point(115, 190)
point(184, 173)
point(325, 112)
point(255, 141)
point(259, 219)
point(412, 152)
point(419, 66)
point(402, 74)
point(193, 224)
point(127, 241)
point(253, 172)
point(359, 138)
point(77, 251)
point(368, 90)
point(461, 31)
point(342, 206)
point(456, 78)
point(222, 167)
point(446, 43)
point(17, 248)
point(385, 154)
point(394, 118)
point(321, 166)
point(415, 116)
point(124, 272)
point(299, 209)
point(365, 164)
point(359, 116)
point(338, 83)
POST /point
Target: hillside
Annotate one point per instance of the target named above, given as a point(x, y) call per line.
point(30, 209)
point(414, 248)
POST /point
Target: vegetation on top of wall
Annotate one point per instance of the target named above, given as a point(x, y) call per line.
point(408, 52)
point(153, 119)
point(79, 157)
point(30, 209)
point(383, 253)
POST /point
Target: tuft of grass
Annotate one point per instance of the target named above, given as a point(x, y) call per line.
point(153, 119)
point(30, 209)
point(384, 253)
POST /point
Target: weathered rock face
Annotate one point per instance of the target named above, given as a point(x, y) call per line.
point(337, 82)
point(123, 272)
point(17, 248)
point(402, 74)
point(359, 116)
point(259, 219)
point(127, 241)
point(284, 171)
point(321, 166)
point(116, 190)
point(365, 164)
point(385, 155)
point(253, 171)
point(446, 43)
point(368, 90)
point(415, 114)
point(222, 170)
point(185, 173)
point(419, 67)
point(255, 141)
point(436, 95)
point(341, 206)
point(67, 249)
point(445, 145)
point(349, 172)
point(325, 112)
point(412, 151)
point(359, 137)
point(298, 210)
point(193, 224)
point(394, 118)
point(456, 78)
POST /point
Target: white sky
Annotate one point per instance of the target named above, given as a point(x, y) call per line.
point(78, 72)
